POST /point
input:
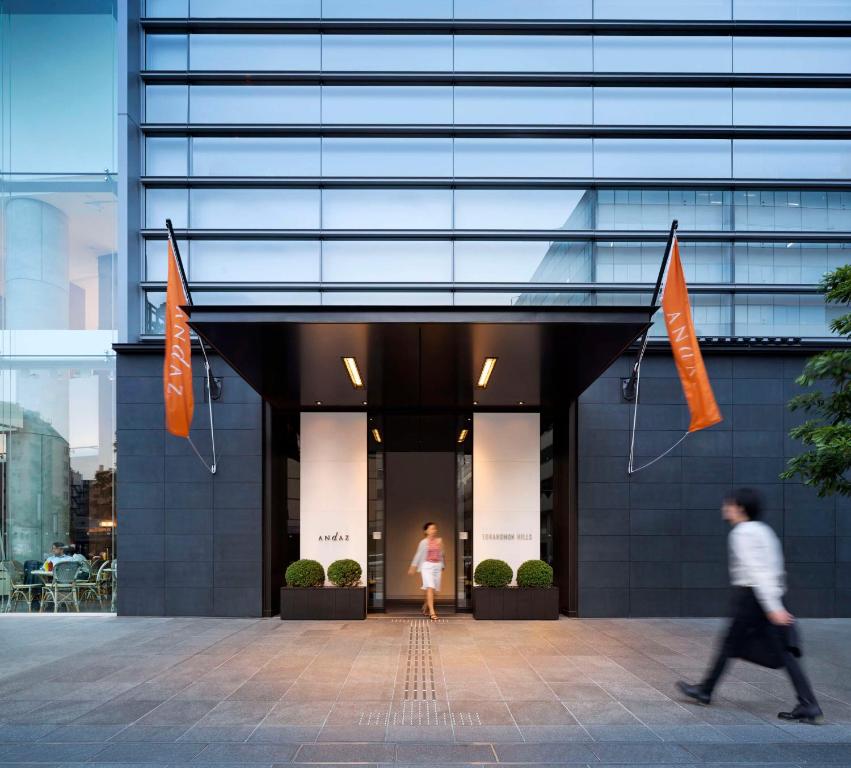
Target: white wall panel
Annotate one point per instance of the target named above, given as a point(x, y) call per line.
point(333, 487)
point(506, 487)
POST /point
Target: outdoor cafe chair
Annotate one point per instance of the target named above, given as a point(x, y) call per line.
point(19, 591)
point(62, 590)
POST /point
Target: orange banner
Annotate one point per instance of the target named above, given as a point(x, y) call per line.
point(692, 371)
point(177, 369)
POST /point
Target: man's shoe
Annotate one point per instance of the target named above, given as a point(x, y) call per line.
point(803, 713)
point(694, 692)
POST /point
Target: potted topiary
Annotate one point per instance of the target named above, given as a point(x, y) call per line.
point(534, 597)
point(306, 597)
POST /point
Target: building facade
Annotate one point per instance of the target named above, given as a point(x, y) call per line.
point(469, 165)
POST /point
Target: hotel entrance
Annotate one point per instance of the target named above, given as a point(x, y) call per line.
point(378, 420)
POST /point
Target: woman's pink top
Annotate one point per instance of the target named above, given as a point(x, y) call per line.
point(433, 550)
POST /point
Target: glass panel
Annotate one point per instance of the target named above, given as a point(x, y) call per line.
point(662, 9)
point(524, 209)
point(792, 210)
point(387, 208)
point(519, 262)
point(565, 158)
point(792, 106)
point(522, 106)
point(375, 520)
point(387, 53)
point(788, 263)
point(156, 258)
point(388, 298)
point(57, 79)
point(759, 159)
point(662, 54)
point(162, 204)
point(387, 157)
point(387, 104)
point(662, 158)
point(166, 103)
point(662, 106)
point(640, 262)
point(165, 52)
point(255, 156)
point(254, 52)
point(798, 54)
point(254, 104)
point(793, 10)
point(169, 9)
point(782, 315)
point(464, 516)
point(393, 262)
point(387, 9)
point(255, 208)
point(237, 261)
point(166, 156)
point(254, 9)
point(528, 299)
point(522, 9)
point(655, 208)
point(522, 53)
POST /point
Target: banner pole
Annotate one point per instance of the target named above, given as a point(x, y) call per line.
point(208, 371)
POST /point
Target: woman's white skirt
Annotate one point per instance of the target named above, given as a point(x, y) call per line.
point(431, 573)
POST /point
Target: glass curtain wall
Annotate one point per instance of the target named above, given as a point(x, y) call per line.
point(57, 288)
point(529, 165)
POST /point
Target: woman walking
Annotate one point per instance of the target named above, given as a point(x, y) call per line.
point(429, 561)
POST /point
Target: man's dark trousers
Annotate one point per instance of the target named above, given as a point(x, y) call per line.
point(747, 617)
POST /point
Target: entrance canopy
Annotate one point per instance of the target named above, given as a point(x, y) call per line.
point(419, 357)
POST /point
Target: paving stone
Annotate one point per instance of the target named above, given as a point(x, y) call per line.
point(354, 753)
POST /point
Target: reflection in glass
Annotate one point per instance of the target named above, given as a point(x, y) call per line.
point(524, 209)
point(254, 208)
point(631, 209)
point(388, 298)
point(254, 104)
point(254, 52)
point(522, 106)
point(639, 262)
point(783, 315)
point(255, 156)
point(647, 53)
point(360, 105)
point(386, 208)
point(795, 210)
point(791, 159)
point(542, 158)
point(392, 262)
point(387, 53)
point(386, 157)
point(522, 53)
point(788, 263)
point(520, 262)
point(665, 158)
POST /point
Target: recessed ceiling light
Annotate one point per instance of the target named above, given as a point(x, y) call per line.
point(364, 402)
point(487, 369)
point(376, 435)
point(519, 402)
point(475, 402)
point(463, 436)
point(351, 366)
point(319, 402)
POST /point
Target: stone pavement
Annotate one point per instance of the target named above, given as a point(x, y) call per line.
point(101, 690)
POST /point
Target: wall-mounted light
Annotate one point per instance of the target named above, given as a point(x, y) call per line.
point(487, 370)
point(376, 435)
point(463, 436)
point(351, 366)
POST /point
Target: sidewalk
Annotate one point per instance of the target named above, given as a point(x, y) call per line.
point(99, 689)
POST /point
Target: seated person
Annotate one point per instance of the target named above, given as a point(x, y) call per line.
point(57, 556)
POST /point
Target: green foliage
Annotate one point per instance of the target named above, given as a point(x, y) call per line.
point(305, 573)
point(827, 465)
point(493, 573)
point(534, 573)
point(344, 573)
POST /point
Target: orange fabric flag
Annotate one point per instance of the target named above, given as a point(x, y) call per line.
point(692, 371)
point(177, 368)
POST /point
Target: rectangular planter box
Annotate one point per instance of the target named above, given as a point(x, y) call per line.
point(515, 603)
point(323, 603)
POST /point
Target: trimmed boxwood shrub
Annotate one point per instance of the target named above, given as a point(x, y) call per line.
point(493, 573)
point(344, 573)
point(305, 573)
point(534, 573)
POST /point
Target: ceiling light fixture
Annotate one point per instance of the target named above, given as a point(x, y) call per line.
point(354, 374)
point(487, 370)
point(376, 434)
point(463, 436)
